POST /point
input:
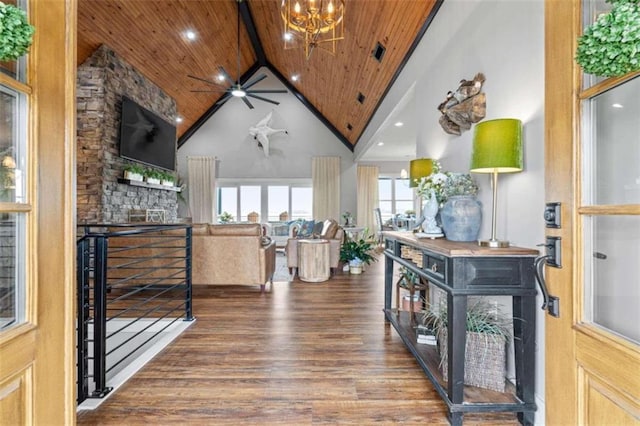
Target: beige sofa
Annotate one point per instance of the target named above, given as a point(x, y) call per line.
point(330, 231)
point(231, 254)
point(234, 254)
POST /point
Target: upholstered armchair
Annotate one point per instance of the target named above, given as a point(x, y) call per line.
point(330, 231)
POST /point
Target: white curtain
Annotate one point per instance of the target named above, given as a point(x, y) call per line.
point(367, 197)
point(202, 189)
point(325, 175)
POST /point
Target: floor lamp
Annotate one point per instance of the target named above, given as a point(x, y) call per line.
point(497, 148)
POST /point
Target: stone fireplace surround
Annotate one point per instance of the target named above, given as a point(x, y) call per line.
point(102, 81)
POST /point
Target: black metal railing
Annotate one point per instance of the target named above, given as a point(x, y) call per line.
point(134, 282)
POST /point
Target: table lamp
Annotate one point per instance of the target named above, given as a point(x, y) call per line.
point(419, 168)
point(497, 148)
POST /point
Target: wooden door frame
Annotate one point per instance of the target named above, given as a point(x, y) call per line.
point(562, 25)
point(53, 76)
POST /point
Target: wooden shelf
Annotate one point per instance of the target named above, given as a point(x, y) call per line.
point(429, 360)
point(149, 185)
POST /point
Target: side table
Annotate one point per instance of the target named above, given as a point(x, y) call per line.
point(313, 260)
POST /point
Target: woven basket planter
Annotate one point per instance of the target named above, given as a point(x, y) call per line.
point(484, 360)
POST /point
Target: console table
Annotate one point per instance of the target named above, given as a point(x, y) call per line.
point(462, 270)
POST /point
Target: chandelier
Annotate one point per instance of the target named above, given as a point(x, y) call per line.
point(313, 23)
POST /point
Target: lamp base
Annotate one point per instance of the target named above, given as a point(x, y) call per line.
point(493, 243)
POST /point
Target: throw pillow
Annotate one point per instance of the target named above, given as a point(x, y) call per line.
point(306, 229)
point(330, 227)
point(317, 229)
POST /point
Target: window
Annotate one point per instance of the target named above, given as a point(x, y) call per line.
point(270, 200)
point(395, 197)
point(277, 202)
point(228, 201)
point(16, 208)
point(250, 201)
point(301, 203)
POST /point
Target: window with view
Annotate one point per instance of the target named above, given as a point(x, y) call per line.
point(273, 203)
point(395, 197)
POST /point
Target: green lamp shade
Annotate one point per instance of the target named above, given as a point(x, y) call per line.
point(497, 146)
point(418, 169)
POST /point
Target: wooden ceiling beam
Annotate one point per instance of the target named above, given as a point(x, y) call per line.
point(247, 19)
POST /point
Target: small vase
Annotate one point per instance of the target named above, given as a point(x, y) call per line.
point(461, 218)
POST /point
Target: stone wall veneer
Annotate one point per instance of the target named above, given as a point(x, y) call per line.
point(102, 81)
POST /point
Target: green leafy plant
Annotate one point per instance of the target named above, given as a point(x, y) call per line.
point(134, 168)
point(167, 176)
point(153, 174)
point(482, 317)
point(359, 249)
point(611, 46)
point(16, 35)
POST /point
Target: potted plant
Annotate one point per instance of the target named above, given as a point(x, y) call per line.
point(357, 252)
point(225, 217)
point(488, 331)
point(167, 179)
point(16, 35)
point(153, 176)
point(133, 171)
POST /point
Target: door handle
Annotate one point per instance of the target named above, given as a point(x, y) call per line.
point(550, 303)
point(538, 264)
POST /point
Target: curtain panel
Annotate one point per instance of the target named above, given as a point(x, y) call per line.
point(367, 197)
point(325, 176)
point(202, 189)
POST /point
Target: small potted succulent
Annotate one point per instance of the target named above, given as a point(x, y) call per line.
point(134, 171)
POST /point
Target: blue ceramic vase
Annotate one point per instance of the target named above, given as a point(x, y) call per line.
point(461, 218)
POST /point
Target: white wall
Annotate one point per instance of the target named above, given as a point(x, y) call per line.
point(505, 41)
point(226, 136)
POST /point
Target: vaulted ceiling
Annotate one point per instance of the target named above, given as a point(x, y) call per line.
point(152, 36)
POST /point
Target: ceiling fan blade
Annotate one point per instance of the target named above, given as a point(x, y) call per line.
point(263, 99)
point(246, 101)
point(225, 75)
point(267, 91)
point(251, 83)
point(202, 79)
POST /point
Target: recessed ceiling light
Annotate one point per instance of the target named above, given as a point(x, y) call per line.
point(220, 77)
point(191, 35)
point(179, 119)
point(380, 143)
point(288, 36)
point(295, 77)
point(617, 105)
point(399, 124)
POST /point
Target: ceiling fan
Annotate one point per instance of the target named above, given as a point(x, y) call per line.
point(237, 89)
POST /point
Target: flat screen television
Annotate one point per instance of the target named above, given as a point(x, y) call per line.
point(145, 137)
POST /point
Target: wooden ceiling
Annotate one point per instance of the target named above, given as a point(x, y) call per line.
point(151, 36)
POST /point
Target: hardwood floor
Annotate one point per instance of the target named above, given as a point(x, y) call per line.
point(298, 354)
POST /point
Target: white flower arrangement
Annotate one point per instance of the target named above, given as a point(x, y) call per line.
point(446, 184)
